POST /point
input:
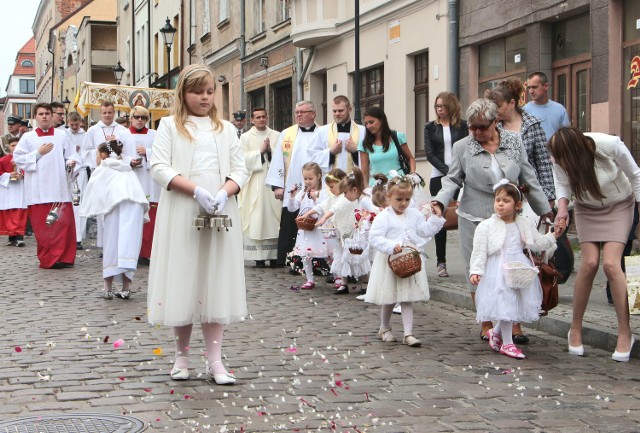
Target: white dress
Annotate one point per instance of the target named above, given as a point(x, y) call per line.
point(496, 301)
point(309, 243)
point(196, 276)
point(388, 230)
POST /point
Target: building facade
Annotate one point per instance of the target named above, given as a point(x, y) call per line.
point(21, 87)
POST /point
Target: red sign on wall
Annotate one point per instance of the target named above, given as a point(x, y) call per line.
point(635, 73)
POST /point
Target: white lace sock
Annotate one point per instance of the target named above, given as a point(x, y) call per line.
point(407, 317)
point(213, 333)
point(308, 268)
point(182, 337)
point(505, 330)
point(385, 316)
point(108, 283)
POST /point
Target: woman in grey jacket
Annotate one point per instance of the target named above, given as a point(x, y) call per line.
point(478, 162)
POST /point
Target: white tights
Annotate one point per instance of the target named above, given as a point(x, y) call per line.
point(213, 333)
point(407, 317)
point(308, 268)
point(504, 328)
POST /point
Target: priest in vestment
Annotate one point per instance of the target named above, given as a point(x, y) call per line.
point(137, 150)
point(335, 145)
point(48, 158)
point(259, 209)
point(289, 155)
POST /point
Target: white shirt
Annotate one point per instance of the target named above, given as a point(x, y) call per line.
point(95, 136)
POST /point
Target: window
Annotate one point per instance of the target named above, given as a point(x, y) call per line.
point(26, 64)
point(372, 88)
point(27, 86)
point(282, 104)
point(257, 99)
point(421, 95)
point(258, 17)
point(501, 59)
point(571, 37)
point(631, 77)
point(283, 11)
point(206, 22)
point(22, 110)
point(223, 10)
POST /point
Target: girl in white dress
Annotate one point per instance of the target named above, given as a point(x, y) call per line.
point(353, 198)
point(197, 276)
point(114, 193)
point(332, 180)
point(309, 243)
point(499, 240)
point(396, 226)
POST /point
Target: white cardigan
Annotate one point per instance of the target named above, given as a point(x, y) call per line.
point(490, 235)
point(389, 230)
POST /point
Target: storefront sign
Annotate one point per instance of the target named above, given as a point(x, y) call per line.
point(394, 32)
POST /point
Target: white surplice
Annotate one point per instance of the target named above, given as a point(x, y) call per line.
point(81, 180)
point(319, 146)
point(130, 141)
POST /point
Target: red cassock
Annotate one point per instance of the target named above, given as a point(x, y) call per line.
point(13, 222)
point(56, 242)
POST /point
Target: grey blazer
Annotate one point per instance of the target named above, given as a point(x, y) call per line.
point(471, 167)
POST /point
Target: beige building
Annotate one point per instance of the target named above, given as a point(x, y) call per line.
point(403, 57)
point(49, 14)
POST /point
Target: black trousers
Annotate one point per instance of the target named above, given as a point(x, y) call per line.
point(287, 235)
point(435, 185)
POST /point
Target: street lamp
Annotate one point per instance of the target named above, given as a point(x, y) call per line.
point(66, 103)
point(118, 71)
point(168, 33)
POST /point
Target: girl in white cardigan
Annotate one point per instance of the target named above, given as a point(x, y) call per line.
point(395, 226)
point(498, 240)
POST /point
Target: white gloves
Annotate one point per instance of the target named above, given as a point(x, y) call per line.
point(220, 201)
point(205, 199)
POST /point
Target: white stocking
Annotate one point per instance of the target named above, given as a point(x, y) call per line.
point(308, 268)
point(385, 316)
point(182, 336)
point(407, 317)
point(213, 333)
point(505, 330)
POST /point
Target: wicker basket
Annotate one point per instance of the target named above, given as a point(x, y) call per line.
point(519, 275)
point(405, 263)
point(356, 251)
point(307, 223)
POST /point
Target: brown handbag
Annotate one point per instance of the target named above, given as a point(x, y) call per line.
point(548, 279)
point(451, 216)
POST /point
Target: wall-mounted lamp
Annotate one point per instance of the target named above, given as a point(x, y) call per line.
point(221, 78)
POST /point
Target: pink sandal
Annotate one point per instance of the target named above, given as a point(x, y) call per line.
point(337, 282)
point(512, 351)
point(495, 340)
point(308, 285)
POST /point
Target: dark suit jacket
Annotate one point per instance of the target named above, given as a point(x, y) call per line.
point(434, 142)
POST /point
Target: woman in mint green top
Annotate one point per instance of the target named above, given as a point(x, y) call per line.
point(377, 152)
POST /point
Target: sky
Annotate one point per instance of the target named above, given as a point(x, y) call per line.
point(16, 31)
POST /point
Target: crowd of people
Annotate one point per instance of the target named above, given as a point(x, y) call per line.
point(340, 198)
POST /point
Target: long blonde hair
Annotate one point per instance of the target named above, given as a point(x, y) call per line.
point(193, 78)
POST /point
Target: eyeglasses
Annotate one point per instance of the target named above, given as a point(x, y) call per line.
point(303, 112)
point(481, 128)
point(439, 106)
point(140, 117)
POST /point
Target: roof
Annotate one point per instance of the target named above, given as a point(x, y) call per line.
point(27, 52)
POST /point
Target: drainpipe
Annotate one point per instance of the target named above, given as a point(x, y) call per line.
point(132, 56)
point(304, 71)
point(50, 47)
point(150, 44)
point(243, 48)
point(454, 61)
point(299, 87)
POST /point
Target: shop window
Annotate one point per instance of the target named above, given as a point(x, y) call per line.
point(571, 37)
point(501, 59)
point(631, 77)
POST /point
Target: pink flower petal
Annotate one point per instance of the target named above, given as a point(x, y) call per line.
point(118, 343)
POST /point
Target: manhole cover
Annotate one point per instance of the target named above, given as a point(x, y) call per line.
point(73, 423)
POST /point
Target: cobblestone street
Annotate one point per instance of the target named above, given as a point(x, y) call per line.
point(307, 361)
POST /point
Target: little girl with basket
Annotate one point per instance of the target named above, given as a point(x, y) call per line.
point(394, 234)
point(309, 241)
point(508, 286)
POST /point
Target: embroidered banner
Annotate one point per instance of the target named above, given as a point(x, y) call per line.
point(91, 95)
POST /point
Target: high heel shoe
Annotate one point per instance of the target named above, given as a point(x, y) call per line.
point(225, 378)
point(624, 356)
point(574, 350)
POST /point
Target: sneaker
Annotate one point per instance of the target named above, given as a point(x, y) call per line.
point(123, 294)
point(107, 294)
point(397, 309)
point(20, 244)
point(512, 351)
point(411, 341)
point(495, 340)
point(386, 335)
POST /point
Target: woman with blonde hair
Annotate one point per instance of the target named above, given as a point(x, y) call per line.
point(197, 276)
point(439, 136)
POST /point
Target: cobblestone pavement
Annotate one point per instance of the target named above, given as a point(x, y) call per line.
point(307, 361)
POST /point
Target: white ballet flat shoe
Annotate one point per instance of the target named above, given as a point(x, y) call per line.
point(624, 356)
point(225, 378)
point(574, 350)
point(179, 373)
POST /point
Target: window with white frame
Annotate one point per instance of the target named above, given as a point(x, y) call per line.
point(206, 22)
point(223, 10)
point(258, 17)
point(283, 11)
point(27, 86)
point(27, 63)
